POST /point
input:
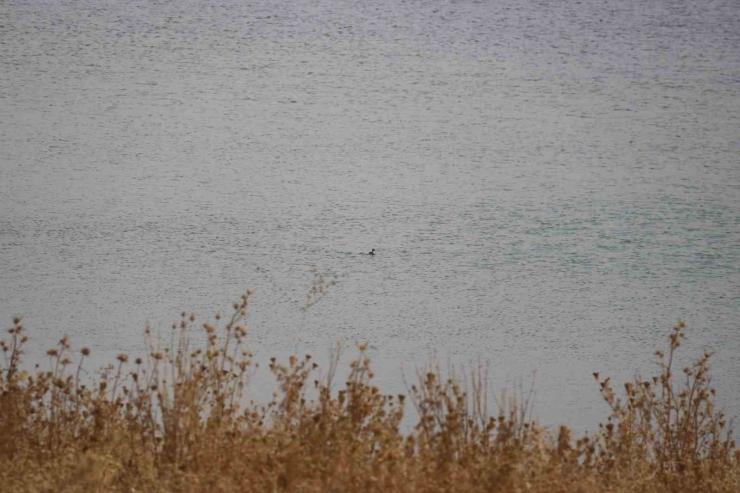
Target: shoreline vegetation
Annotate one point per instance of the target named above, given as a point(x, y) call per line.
point(178, 420)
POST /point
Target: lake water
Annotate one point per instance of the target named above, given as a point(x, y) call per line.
point(549, 185)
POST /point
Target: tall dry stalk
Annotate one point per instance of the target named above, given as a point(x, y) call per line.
point(179, 419)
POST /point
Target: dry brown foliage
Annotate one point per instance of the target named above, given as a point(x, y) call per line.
point(178, 421)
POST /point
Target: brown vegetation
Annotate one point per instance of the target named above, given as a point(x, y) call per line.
point(178, 421)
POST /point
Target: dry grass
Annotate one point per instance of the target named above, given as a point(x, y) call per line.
point(179, 421)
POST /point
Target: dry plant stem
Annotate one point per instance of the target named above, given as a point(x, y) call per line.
point(180, 421)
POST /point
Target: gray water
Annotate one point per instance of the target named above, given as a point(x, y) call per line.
point(550, 186)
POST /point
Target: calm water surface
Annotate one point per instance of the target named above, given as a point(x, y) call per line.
point(549, 185)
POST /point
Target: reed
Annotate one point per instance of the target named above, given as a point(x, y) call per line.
point(179, 420)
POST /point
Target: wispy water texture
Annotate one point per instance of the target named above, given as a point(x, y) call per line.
point(549, 185)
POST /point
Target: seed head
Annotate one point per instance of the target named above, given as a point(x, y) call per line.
point(85, 351)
